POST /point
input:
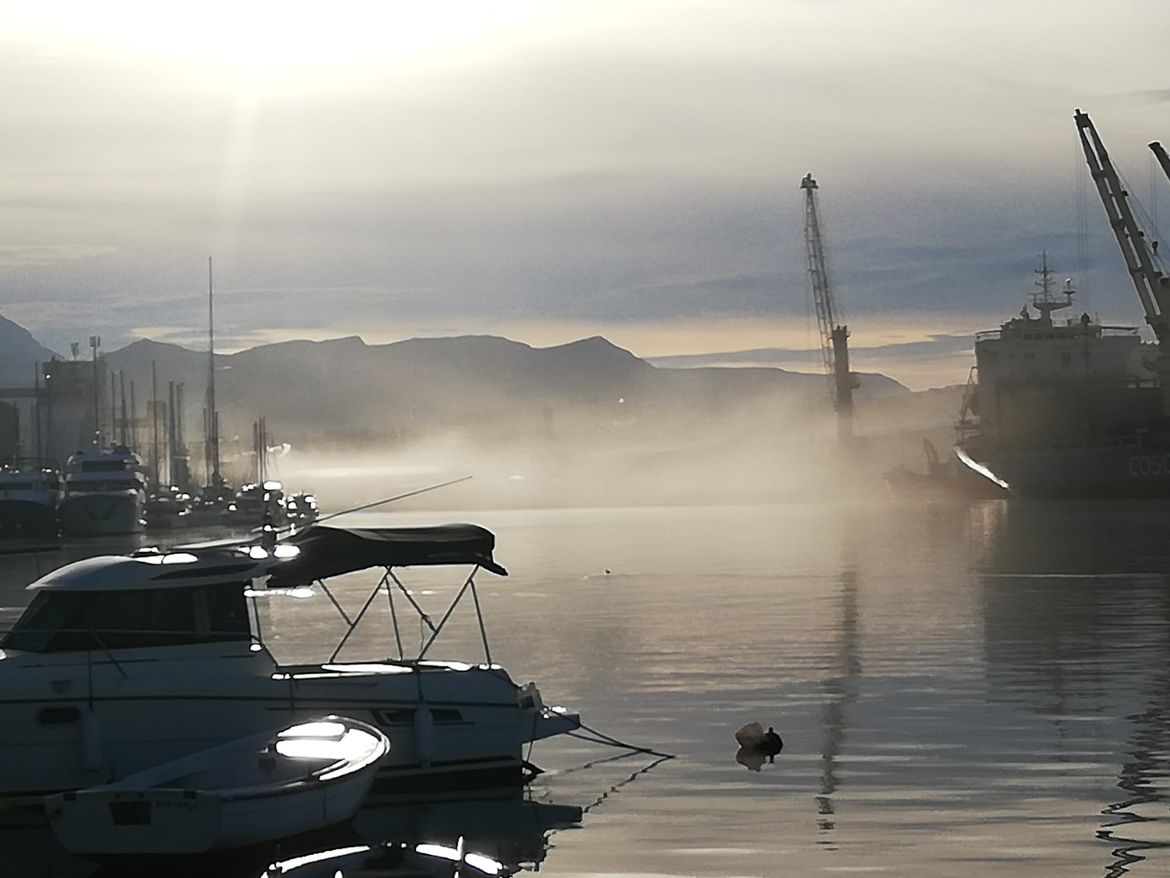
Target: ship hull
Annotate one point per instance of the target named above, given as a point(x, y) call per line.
point(1112, 471)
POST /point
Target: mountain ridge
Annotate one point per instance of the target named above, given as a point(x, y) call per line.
point(494, 388)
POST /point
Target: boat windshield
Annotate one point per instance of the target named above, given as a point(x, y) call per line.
point(106, 465)
point(62, 621)
point(91, 487)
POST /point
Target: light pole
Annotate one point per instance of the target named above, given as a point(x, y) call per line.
point(95, 342)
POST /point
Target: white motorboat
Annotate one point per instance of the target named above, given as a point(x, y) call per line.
point(120, 663)
point(30, 497)
point(105, 493)
point(259, 789)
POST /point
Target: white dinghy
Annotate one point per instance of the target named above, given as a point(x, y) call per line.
point(250, 791)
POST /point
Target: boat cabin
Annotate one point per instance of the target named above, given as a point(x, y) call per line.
point(200, 595)
point(116, 459)
point(146, 600)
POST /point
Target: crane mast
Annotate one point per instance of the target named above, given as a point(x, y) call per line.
point(834, 336)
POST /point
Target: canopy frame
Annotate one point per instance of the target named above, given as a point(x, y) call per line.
point(391, 583)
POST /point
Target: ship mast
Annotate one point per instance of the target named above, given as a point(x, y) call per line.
point(1043, 300)
point(214, 477)
point(834, 336)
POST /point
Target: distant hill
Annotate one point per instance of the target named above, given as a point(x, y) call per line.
point(489, 389)
point(19, 354)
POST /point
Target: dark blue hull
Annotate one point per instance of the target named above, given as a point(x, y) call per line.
point(1087, 472)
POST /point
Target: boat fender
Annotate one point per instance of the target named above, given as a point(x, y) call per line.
point(91, 742)
point(424, 734)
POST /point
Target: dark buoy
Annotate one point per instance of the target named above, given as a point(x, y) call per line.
point(773, 743)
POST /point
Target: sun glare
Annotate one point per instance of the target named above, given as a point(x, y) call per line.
point(289, 39)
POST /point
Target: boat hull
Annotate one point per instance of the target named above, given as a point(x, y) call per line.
point(28, 518)
point(98, 514)
point(146, 712)
point(1094, 472)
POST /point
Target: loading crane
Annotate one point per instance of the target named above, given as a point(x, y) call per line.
point(1153, 287)
point(834, 336)
point(1138, 250)
point(1163, 159)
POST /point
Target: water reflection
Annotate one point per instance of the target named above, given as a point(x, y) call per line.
point(504, 826)
point(962, 689)
point(1077, 631)
point(841, 687)
point(1137, 824)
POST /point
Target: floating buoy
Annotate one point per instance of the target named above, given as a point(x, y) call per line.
point(755, 744)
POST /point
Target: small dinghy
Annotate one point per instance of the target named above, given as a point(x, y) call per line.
point(250, 791)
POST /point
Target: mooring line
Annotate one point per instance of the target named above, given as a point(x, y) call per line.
point(617, 786)
point(610, 741)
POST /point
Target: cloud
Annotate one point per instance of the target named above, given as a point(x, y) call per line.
point(19, 255)
point(570, 173)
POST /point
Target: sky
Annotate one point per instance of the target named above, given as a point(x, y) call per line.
point(551, 170)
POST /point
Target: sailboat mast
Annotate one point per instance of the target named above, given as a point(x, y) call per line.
point(212, 420)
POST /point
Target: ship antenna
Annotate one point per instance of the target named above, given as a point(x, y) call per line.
point(1043, 301)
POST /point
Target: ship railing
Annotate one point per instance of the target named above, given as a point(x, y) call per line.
point(1126, 382)
point(1109, 331)
point(1129, 440)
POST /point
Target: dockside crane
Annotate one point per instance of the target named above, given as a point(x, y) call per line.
point(1137, 249)
point(834, 336)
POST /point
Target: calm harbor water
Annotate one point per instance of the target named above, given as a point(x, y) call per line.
point(962, 689)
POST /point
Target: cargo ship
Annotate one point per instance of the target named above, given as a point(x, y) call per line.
point(1069, 408)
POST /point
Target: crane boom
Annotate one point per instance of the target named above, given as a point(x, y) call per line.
point(1151, 284)
point(1163, 159)
point(834, 336)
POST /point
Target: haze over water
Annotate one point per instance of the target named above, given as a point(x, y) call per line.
point(962, 690)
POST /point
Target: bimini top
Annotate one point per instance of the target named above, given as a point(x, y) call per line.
point(330, 551)
point(156, 570)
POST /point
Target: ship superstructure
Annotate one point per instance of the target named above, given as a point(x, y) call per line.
point(1064, 407)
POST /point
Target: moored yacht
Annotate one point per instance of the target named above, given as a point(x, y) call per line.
point(257, 503)
point(105, 492)
point(30, 497)
point(120, 663)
